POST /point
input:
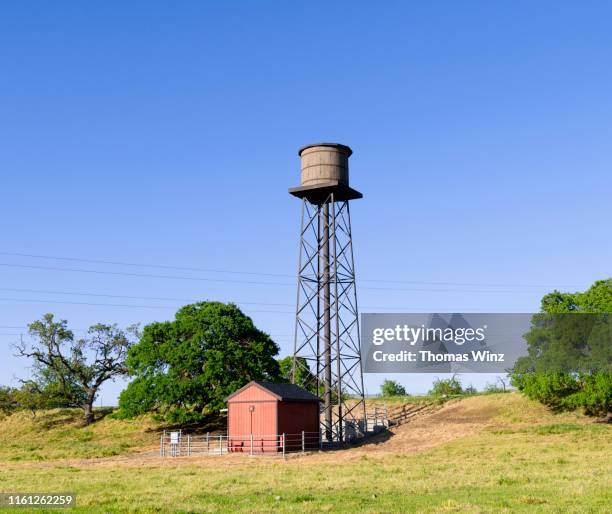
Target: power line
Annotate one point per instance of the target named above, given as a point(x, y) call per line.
point(141, 275)
point(237, 302)
point(142, 265)
point(465, 284)
point(131, 297)
point(170, 299)
point(241, 272)
point(147, 275)
point(38, 300)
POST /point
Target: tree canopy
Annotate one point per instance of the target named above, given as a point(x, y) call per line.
point(186, 368)
point(569, 361)
point(597, 299)
point(392, 388)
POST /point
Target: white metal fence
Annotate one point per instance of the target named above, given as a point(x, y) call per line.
point(176, 444)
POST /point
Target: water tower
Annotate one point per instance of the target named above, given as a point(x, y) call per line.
point(326, 353)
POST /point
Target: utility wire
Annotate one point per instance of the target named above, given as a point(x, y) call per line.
point(38, 300)
point(142, 265)
point(382, 309)
point(237, 302)
point(210, 270)
point(170, 299)
point(142, 275)
point(147, 275)
point(129, 297)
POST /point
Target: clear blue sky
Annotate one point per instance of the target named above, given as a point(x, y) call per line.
point(166, 133)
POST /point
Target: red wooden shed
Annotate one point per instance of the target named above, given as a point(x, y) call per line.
point(261, 412)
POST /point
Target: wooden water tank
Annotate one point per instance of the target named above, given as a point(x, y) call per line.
point(324, 163)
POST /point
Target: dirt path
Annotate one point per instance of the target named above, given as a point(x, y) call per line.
point(452, 421)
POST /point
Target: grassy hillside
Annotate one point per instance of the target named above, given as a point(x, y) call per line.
point(497, 453)
point(59, 434)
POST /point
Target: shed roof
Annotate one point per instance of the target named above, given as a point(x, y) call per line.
point(281, 391)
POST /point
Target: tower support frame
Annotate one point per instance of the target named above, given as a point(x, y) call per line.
point(327, 359)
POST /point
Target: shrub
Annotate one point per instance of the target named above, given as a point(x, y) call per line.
point(8, 400)
point(446, 388)
point(569, 391)
point(392, 388)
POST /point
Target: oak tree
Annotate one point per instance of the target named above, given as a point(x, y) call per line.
point(76, 367)
point(184, 369)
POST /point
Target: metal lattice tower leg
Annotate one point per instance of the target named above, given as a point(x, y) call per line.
point(326, 355)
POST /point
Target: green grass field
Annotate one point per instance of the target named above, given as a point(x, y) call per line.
point(522, 459)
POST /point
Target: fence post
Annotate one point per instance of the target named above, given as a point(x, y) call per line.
point(303, 442)
point(207, 442)
point(284, 440)
point(251, 444)
point(161, 444)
